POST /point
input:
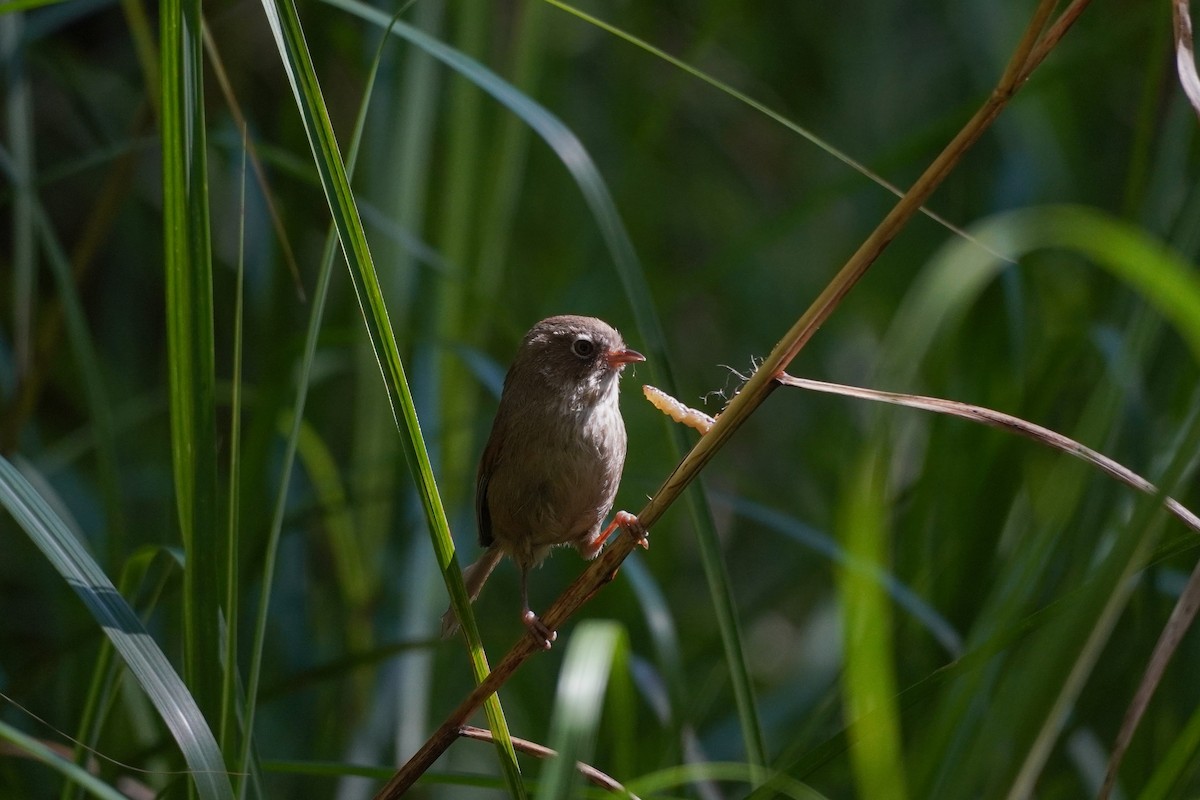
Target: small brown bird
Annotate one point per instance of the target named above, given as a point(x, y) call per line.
point(551, 466)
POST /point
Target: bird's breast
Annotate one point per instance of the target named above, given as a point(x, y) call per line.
point(560, 479)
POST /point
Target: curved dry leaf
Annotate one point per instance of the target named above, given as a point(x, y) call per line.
point(998, 419)
point(1185, 53)
point(601, 779)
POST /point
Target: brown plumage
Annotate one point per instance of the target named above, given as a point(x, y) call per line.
point(552, 464)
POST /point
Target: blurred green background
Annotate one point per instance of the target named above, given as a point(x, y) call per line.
point(924, 607)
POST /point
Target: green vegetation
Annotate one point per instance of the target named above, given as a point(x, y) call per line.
point(263, 268)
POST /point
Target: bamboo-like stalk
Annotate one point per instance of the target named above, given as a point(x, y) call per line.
point(1032, 49)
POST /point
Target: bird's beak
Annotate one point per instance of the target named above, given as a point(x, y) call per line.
point(619, 358)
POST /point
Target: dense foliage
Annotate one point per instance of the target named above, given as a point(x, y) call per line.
point(921, 607)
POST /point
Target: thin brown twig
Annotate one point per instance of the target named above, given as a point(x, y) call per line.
point(1019, 59)
point(752, 394)
point(1181, 619)
point(601, 779)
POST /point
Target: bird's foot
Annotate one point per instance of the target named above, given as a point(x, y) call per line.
point(623, 519)
point(538, 630)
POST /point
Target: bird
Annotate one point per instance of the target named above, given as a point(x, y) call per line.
point(550, 469)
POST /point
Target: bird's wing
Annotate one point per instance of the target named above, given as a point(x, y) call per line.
point(483, 514)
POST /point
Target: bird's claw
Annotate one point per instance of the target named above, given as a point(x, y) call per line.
point(623, 519)
point(538, 630)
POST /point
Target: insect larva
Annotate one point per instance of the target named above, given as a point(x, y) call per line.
point(677, 410)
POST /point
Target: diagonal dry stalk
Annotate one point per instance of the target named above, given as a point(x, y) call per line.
point(1036, 43)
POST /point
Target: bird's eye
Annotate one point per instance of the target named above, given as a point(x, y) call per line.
point(583, 347)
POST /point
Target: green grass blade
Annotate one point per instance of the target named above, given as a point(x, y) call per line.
point(961, 271)
point(229, 683)
point(1175, 765)
point(190, 346)
point(297, 62)
point(141, 653)
point(106, 675)
point(13, 6)
point(456, 241)
point(144, 44)
point(664, 637)
point(510, 157)
point(18, 109)
point(782, 785)
point(350, 563)
point(595, 651)
point(70, 770)
point(903, 596)
point(869, 681)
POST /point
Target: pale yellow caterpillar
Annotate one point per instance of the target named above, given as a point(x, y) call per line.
point(677, 410)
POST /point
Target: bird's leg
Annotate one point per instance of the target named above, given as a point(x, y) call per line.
point(537, 629)
point(622, 519)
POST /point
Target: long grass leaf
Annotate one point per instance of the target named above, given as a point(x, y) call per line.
point(18, 109)
point(147, 663)
point(297, 62)
point(106, 673)
point(953, 282)
point(229, 683)
point(141, 32)
point(190, 347)
point(869, 681)
point(959, 272)
point(596, 650)
point(903, 596)
point(350, 563)
point(13, 6)
point(457, 235)
point(1174, 766)
point(70, 770)
point(510, 155)
point(783, 786)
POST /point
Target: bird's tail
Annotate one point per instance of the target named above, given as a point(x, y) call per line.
point(474, 576)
